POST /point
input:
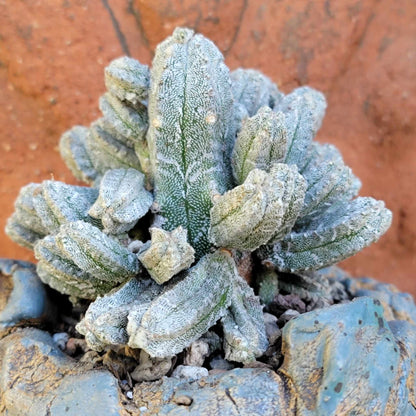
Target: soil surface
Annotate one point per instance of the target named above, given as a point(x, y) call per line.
point(361, 54)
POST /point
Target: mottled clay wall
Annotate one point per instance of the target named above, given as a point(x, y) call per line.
point(361, 54)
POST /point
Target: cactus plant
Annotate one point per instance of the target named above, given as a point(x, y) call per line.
point(218, 166)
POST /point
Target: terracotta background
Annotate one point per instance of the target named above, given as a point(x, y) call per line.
point(361, 54)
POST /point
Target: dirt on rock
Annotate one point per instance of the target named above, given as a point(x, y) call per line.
point(361, 54)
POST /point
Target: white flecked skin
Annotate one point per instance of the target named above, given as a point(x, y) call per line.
point(96, 253)
point(253, 90)
point(122, 200)
point(262, 209)
point(260, 143)
point(304, 109)
point(168, 254)
point(59, 272)
point(190, 108)
point(229, 162)
point(105, 321)
point(244, 329)
point(329, 180)
point(128, 80)
point(186, 309)
point(340, 232)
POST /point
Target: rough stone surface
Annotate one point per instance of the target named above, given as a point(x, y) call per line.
point(242, 391)
point(51, 383)
point(406, 336)
point(397, 305)
point(23, 296)
point(345, 360)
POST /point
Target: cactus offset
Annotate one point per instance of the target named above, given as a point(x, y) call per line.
point(192, 168)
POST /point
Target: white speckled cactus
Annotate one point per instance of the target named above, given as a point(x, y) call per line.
point(217, 164)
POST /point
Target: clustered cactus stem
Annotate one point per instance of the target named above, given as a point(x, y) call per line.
point(192, 170)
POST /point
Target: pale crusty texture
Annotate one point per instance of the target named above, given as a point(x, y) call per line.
point(260, 210)
point(40, 209)
point(128, 80)
point(229, 162)
point(168, 254)
point(260, 143)
point(122, 200)
point(329, 180)
point(96, 253)
point(62, 274)
point(253, 90)
point(304, 109)
point(105, 321)
point(244, 329)
point(110, 141)
point(186, 309)
point(190, 108)
point(338, 233)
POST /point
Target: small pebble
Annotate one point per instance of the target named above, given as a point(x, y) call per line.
point(73, 344)
point(196, 353)
point(125, 385)
point(151, 369)
point(129, 395)
point(273, 331)
point(61, 338)
point(190, 372)
point(287, 316)
point(219, 363)
point(183, 400)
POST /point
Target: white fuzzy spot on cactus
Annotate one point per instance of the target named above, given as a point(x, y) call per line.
point(211, 118)
point(156, 122)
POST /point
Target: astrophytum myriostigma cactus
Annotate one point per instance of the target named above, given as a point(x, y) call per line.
point(190, 109)
point(191, 170)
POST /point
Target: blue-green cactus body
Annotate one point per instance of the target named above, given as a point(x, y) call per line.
point(339, 233)
point(210, 161)
point(63, 275)
point(190, 108)
point(187, 309)
point(304, 109)
point(96, 253)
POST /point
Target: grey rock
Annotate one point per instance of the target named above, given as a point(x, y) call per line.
point(286, 316)
point(189, 372)
point(344, 360)
point(93, 393)
point(242, 391)
point(273, 331)
point(37, 379)
point(23, 296)
point(219, 363)
point(60, 339)
point(397, 305)
point(405, 334)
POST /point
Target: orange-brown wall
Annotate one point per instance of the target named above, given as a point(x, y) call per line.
point(360, 53)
